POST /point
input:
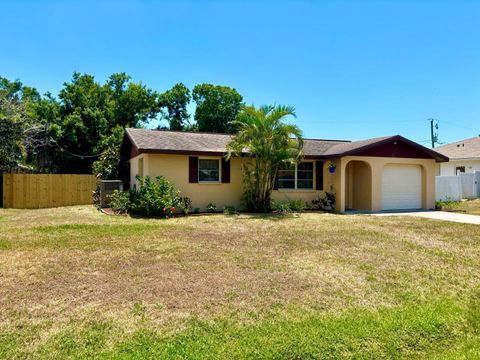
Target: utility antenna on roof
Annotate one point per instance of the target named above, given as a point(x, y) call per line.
point(433, 131)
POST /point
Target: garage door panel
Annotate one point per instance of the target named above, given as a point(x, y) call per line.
point(401, 187)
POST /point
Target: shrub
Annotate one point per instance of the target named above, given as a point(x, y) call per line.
point(230, 210)
point(325, 202)
point(155, 197)
point(196, 210)
point(448, 204)
point(282, 207)
point(185, 204)
point(297, 205)
point(119, 201)
point(211, 207)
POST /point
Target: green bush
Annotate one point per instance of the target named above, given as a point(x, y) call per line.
point(297, 205)
point(155, 197)
point(185, 204)
point(290, 206)
point(119, 201)
point(282, 207)
point(230, 210)
point(211, 207)
point(447, 204)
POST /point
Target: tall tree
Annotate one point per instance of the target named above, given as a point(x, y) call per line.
point(12, 120)
point(89, 113)
point(269, 142)
point(21, 130)
point(175, 102)
point(217, 107)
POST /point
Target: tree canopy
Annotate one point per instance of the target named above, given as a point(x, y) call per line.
point(80, 129)
point(217, 107)
point(175, 102)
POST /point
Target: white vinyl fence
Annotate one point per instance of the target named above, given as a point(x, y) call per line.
point(463, 186)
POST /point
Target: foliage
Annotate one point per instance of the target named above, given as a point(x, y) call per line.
point(331, 166)
point(269, 142)
point(155, 197)
point(91, 111)
point(290, 206)
point(196, 210)
point(119, 201)
point(11, 133)
point(217, 107)
point(297, 205)
point(448, 204)
point(185, 204)
point(175, 102)
point(324, 202)
point(19, 128)
point(211, 207)
point(107, 166)
point(230, 210)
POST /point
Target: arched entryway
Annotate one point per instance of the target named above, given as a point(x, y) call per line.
point(358, 186)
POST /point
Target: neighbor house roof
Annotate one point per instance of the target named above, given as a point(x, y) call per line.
point(180, 142)
point(464, 149)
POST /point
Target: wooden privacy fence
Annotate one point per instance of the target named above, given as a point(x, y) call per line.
point(33, 191)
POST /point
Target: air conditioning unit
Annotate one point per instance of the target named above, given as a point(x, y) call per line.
point(107, 187)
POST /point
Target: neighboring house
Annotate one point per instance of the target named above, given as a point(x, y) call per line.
point(464, 157)
point(385, 173)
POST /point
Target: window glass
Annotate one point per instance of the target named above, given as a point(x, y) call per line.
point(305, 175)
point(304, 180)
point(286, 176)
point(208, 170)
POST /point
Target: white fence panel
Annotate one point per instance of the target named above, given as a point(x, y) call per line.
point(467, 183)
point(477, 182)
point(448, 188)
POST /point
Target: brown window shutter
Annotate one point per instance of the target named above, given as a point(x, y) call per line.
point(193, 169)
point(319, 174)
point(225, 171)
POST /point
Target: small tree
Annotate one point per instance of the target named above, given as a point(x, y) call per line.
point(268, 142)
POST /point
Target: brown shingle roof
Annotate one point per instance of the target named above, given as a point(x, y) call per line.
point(195, 142)
point(464, 149)
point(209, 143)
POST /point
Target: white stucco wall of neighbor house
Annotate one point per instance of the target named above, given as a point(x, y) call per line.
point(449, 168)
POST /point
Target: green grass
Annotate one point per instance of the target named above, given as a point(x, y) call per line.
point(402, 332)
point(78, 284)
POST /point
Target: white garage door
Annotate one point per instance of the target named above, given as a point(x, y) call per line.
point(401, 187)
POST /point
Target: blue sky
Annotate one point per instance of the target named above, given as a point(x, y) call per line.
point(352, 69)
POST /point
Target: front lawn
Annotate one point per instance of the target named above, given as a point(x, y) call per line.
point(468, 207)
point(76, 283)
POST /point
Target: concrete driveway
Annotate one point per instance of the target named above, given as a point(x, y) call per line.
point(436, 215)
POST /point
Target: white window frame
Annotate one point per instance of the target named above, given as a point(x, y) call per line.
point(296, 188)
point(219, 171)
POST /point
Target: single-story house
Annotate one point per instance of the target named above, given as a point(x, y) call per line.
point(386, 173)
point(464, 157)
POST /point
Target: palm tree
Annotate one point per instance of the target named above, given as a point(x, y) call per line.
point(267, 142)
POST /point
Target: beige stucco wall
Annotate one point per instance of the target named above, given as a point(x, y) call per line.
point(175, 169)
point(376, 165)
point(365, 197)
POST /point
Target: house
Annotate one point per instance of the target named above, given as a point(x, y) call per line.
point(386, 173)
point(464, 157)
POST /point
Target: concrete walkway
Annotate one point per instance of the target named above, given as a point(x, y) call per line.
point(436, 215)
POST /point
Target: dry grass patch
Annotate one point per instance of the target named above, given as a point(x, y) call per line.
point(75, 263)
